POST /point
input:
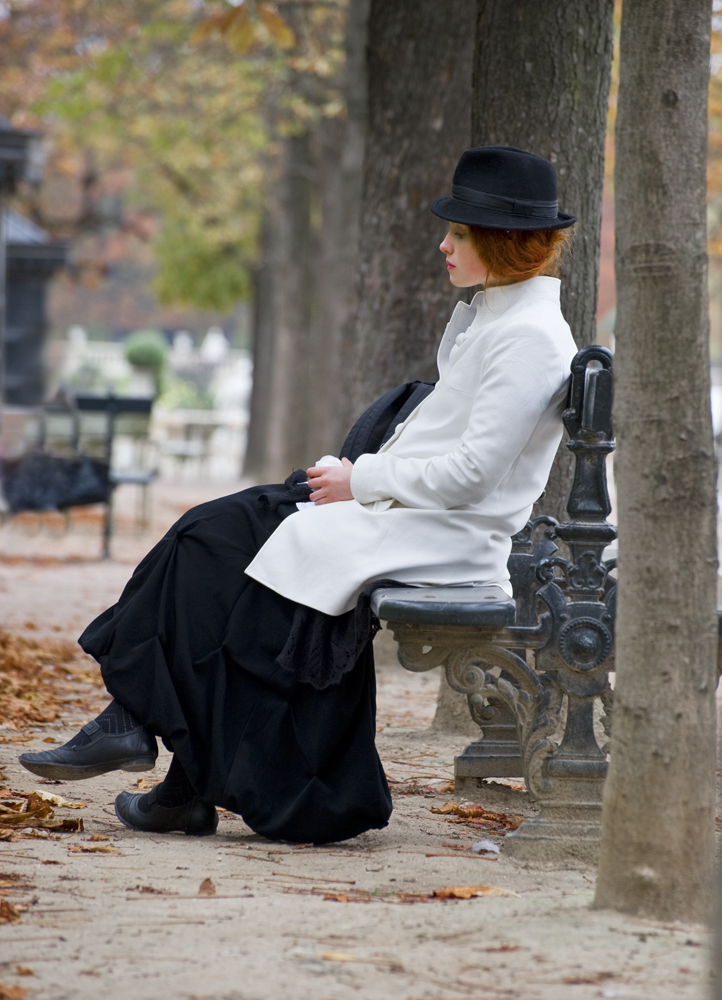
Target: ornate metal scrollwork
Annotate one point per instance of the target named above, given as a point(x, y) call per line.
point(534, 704)
point(585, 643)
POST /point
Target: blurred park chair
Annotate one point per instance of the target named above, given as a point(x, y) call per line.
point(84, 437)
point(116, 430)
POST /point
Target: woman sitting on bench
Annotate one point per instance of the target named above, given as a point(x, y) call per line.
point(244, 638)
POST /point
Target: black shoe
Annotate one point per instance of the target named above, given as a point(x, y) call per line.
point(196, 818)
point(133, 751)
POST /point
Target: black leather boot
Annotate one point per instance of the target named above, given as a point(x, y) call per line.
point(196, 818)
point(131, 751)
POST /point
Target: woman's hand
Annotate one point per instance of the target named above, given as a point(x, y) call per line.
point(330, 483)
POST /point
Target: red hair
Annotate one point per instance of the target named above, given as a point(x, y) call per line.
point(515, 255)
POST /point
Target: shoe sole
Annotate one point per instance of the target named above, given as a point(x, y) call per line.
point(75, 772)
point(139, 829)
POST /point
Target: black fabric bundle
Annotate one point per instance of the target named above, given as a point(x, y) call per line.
point(297, 490)
point(377, 424)
point(321, 648)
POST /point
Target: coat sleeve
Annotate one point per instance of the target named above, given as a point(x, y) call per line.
point(517, 385)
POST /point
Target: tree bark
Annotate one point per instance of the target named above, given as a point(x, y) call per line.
point(263, 330)
point(541, 83)
point(289, 417)
point(305, 283)
point(341, 148)
point(419, 72)
point(658, 816)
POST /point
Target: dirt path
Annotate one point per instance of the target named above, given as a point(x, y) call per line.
point(111, 913)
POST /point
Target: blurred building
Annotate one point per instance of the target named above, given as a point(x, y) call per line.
point(32, 259)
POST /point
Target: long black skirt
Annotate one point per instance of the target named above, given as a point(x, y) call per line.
point(190, 649)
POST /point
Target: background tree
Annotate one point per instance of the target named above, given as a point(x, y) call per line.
point(541, 82)
point(305, 277)
point(658, 816)
point(163, 138)
point(419, 80)
point(419, 62)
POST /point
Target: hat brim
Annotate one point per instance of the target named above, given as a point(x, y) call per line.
point(454, 210)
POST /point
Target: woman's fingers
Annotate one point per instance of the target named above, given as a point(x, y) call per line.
point(330, 484)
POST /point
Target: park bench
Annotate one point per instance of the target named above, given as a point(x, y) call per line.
point(69, 457)
point(533, 667)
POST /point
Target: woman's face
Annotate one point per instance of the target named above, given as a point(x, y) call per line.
point(462, 261)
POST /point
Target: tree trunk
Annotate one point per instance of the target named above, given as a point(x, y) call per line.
point(658, 817)
point(341, 159)
point(541, 82)
point(305, 284)
point(293, 295)
point(263, 330)
point(419, 72)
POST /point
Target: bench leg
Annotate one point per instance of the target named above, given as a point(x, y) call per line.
point(107, 528)
point(495, 755)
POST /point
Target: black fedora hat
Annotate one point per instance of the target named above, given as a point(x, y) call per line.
point(500, 187)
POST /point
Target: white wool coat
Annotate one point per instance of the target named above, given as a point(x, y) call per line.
point(438, 504)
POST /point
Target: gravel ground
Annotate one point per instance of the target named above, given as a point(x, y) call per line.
point(237, 917)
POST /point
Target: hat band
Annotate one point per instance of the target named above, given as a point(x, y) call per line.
point(507, 206)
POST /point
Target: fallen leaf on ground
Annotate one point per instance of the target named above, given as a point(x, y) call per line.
point(598, 977)
point(477, 815)
point(207, 888)
point(482, 857)
point(97, 836)
point(470, 891)
point(13, 882)
point(31, 809)
point(52, 862)
point(57, 800)
point(50, 739)
point(339, 956)
point(404, 898)
point(35, 679)
point(10, 913)
point(12, 992)
point(150, 889)
point(23, 970)
point(95, 849)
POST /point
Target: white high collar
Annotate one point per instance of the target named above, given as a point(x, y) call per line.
point(495, 300)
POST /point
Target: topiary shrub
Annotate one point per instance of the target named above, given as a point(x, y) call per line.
point(148, 349)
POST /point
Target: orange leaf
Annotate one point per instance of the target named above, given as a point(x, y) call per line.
point(478, 812)
point(239, 34)
point(470, 891)
point(9, 913)
point(12, 992)
point(277, 28)
point(215, 23)
point(207, 888)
